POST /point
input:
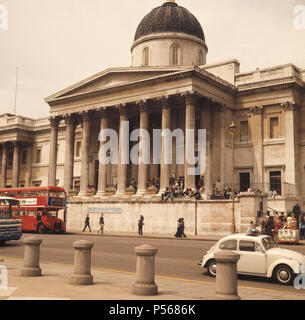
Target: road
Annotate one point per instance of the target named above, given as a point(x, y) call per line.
point(176, 258)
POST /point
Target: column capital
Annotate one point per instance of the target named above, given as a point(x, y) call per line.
point(54, 121)
point(101, 111)
point(164, 101)
point(121, 108)
point(190, 97)
point(85, 115)
point(16, 144)
point(257, 109)
point(69, 118)
point(289, 106)
point(142, 105)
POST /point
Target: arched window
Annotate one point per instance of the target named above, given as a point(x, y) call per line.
point(175, 55)
point(146, 57)
point(200, 58)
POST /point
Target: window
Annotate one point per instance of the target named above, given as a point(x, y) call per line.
point(31, 213)
point(23, 157)
point(10, 158)
point(12, 194)
point(275, 178)
point(274, 128)
point(175, 55)
point(77, 149)
point(228, 245)
point(200, 58)
point(38, 156)
point(146, 57)
point(244, 181)
point(43, 193)
point(244, 131)
point(246, 246)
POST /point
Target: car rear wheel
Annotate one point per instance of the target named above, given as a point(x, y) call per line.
point(211, 268)
point(41, 228)
point(283, 274)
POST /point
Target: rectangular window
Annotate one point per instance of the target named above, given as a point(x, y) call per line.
point(274, 128)
point(77, 149)
point(244, 179)
point(38, 156)
point(10, 158)
point(247, 246)
point(244, 131)
point(23, 157)
point(275, 178)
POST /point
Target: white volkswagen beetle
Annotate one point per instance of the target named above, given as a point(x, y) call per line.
point(259, 256)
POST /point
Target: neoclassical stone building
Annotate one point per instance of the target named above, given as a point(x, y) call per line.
point(168, 85)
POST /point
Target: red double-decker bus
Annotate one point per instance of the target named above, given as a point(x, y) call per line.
point(41, 208)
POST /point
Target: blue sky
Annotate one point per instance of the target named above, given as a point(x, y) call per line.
point(56, 43)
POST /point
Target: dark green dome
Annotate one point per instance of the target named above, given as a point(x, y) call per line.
point(169, 18)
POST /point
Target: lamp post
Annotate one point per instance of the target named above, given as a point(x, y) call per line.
point(232, 128)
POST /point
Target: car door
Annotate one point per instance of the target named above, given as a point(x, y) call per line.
point(252, 258)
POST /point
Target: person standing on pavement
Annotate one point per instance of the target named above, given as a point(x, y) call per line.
point(297, 211)
point(302, 227)
point(101, 223)
point(140, 225)
point(87, 223)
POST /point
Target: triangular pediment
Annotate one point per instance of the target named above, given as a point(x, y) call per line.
point(111, 78)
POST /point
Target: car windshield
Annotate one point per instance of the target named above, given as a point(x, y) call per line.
point(269, 243)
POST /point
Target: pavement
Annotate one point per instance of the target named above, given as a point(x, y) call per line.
point(117, 285)
point(112, 284)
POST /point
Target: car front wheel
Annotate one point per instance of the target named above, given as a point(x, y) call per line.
point(283, 274)
point(211, 268)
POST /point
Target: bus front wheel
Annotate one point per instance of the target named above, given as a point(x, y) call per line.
point(41, 228)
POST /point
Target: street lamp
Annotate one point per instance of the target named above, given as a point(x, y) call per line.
point(232, 129)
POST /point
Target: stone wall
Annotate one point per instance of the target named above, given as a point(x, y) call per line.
point(201, 217)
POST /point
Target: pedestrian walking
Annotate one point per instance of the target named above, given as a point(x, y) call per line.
point(140, 225)
point(101, 223)
point(302, 227)
point(297, 212)
point(269, 230)
point(180, 228)
point(87, 223)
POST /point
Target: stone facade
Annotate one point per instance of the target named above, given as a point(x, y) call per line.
point(267, 105)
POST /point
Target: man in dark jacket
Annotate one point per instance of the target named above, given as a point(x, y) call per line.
point(87, 223)
point(101, 223)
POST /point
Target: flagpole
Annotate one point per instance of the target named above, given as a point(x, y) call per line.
point(16, 88)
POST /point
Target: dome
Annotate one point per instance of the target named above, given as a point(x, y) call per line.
point(170, 17)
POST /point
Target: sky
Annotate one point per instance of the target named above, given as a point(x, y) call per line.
point(56, 43)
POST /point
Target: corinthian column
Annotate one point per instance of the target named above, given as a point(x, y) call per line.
point(144, 149)
point(166, 124)
point(102, 173)
point(189, 178)
point(54, 122)
point(69, 152)
point(4, 165)
point(123, 151)
point(85, 149)
point(16, 164)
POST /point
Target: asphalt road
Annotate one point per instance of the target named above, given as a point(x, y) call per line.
point(176, 258)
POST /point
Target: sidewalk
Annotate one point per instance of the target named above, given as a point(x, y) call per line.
point(116, 285)
point(146, 235)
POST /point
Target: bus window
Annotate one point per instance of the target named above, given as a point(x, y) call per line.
point(33, 194)
point(2, 214)
point(31, 213)
point(23, 213)
point(43, 193)
point(19, 193)
point(12, 194)
point(25, 193)
point(52, 213)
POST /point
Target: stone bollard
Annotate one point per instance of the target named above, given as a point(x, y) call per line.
point(145, 277)
point(226, 275)
point(31, 257)
point(82, 263)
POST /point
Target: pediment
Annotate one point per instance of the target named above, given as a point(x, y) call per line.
point(111, 78)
